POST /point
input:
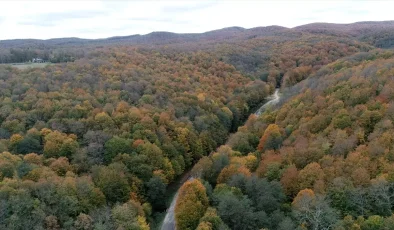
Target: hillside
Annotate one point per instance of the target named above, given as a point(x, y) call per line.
point(329, 146)
point(379, 34)
point(95, 140)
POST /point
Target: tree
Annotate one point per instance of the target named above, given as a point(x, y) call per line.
point(112, 182)
point(115, 146)
point(211, 220)
point(219, 162)
point(191, 204)
point(83, 222)
point(51, 223)
point(360, 177)
point(230, 171)
point(204, 226)
point(240, 141)
point(6, 170)
point(309, 175)
point(23, 169)
point(137, 165)
point(59, 144)
point(374, 222)
point(381, 197)
point(28, 145)
point(129, 216)
point(202, 169)
point(289, 181)
point(272, 160)
point(90, 196)
point(313, 211)
point(286, 224)
point(340, 194)
point(237, 212)
point(104, 121)
point(342, 120)
point(271, 139)
point(266, 195)
point(33, 158)
point(153, 154)
point(61, 166)
point(155, 191)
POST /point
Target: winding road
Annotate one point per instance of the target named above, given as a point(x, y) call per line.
point(169, 219)
point(272, 100)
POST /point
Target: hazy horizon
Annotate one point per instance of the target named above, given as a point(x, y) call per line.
point(102, 19)
point(115, 35)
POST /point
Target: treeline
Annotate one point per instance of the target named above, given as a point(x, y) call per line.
point(22, 55)
point(323, 160)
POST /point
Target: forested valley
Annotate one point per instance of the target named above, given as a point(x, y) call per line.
point(97, 140)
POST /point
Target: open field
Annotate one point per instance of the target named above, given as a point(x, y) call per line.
point(29, 65)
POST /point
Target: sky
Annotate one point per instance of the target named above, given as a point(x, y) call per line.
point(107, 18)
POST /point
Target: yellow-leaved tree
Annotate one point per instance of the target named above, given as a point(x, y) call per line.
point(191, 205)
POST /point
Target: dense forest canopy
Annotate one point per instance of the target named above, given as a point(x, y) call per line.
point(95, 141)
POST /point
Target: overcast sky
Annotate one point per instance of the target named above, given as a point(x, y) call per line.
point(99, 19)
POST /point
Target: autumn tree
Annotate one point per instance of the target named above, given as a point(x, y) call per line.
point(129, 215)
point(271, 139)
point(191, 204)
point(309, 175)
point(289, 181)
point(211, 220)
point(313, 211)
point(59, 144)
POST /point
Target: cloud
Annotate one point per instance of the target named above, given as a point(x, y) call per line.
point(104, 18)
point(157, 20)
point(186, 7)
point(52, 19)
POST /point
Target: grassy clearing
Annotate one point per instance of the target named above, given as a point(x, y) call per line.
point(29, 65)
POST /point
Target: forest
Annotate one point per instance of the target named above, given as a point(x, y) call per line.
point(99, 142)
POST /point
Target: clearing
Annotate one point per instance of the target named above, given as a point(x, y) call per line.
point(29, 65)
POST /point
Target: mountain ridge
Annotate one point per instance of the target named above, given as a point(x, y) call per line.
point(384, 24)
point(232, 29)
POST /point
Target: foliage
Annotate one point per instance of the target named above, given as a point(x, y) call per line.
point(95, 142)
point(191, 205)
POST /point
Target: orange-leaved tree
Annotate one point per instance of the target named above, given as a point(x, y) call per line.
point(271, 139)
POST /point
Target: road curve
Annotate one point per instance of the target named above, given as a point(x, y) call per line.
point(273, 99)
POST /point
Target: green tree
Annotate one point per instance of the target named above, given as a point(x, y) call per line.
point(115, 146)
point(236, 212)
point(28, 145)
point(155, 191)
point(129, 216)
point(212, 219)
point(112, 183)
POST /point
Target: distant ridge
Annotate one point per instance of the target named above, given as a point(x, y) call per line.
point(158, 37)
point(351, 29)
point(363, 30)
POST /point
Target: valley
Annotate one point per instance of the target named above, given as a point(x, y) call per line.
point(282, 128)
point(169, 220)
